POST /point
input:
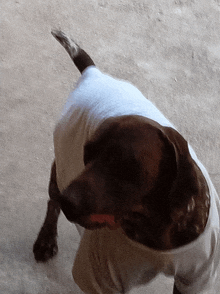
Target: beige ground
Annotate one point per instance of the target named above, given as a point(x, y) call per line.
point(170, 49)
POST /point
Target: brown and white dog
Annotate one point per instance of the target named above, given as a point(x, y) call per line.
point(138, 176)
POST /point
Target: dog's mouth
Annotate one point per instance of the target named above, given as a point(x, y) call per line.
point(97, 221)
point(105, 220)
point(89, 221)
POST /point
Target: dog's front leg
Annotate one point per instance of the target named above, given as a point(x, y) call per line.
point(45, 246)
point(175, 290)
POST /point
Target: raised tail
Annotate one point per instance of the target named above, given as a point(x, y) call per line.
point(80, 58)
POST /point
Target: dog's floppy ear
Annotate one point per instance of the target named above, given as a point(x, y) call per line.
point(185, 184)
point(94, 146)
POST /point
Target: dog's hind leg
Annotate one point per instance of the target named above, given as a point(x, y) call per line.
point(45, 246)
point(81, 59)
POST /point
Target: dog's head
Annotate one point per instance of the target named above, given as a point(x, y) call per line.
point(136, 171)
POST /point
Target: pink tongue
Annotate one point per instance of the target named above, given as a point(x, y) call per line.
point(103, 218)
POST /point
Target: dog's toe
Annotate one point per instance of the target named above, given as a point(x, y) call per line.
point(45, 248)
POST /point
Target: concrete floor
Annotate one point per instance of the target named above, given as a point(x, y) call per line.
point(170, 49)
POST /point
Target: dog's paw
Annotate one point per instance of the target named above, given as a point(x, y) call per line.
point(45, 247)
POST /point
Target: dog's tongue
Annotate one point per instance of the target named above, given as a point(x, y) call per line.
point(103, 218)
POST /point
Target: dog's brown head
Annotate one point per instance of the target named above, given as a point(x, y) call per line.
point(137, 171)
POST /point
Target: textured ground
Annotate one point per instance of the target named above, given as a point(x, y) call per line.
point(170, 49)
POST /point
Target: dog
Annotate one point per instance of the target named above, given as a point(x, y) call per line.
point(140, 198)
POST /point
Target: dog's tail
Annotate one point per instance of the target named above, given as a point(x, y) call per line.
point(81, 59)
